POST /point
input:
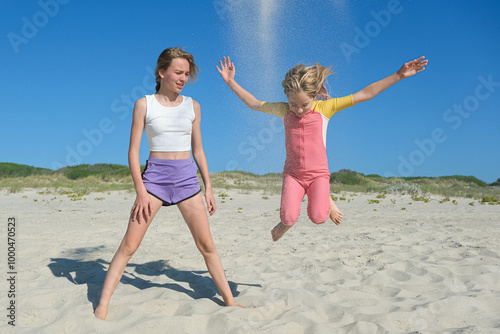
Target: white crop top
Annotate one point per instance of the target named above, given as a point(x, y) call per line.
point(169, 128)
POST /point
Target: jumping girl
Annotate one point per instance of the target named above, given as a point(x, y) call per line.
point(172, 124)
point(305, 120)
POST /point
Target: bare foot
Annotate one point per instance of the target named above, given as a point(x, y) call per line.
point(101, 312)
point(279, 230)
point(335, 214)
point(237, 305)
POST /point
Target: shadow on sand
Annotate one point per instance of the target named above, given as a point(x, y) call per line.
point(93, 272)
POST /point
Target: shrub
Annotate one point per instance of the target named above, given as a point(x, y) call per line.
point(423, 199)
point(490, 200)
point(348, 177)
point(495, 184)
point(8, 169)
point(404, 189)
point(103, 170)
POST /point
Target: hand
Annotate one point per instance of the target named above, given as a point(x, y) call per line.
point(209, 198)
point(412, 67)
point(227, 70)
point(142, 208)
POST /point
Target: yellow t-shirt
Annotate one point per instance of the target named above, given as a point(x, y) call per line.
point(327, 108)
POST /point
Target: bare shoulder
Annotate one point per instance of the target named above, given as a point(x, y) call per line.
point(141, 102)
point(140, 105)
point(140, 109)
point(196, 107)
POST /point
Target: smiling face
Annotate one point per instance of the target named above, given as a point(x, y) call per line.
point(300, 103)
point(175, 77)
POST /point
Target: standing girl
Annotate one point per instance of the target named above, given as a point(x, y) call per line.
point(172, 124)
point(306, 119)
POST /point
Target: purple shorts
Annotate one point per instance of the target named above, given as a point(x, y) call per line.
point(171, 181)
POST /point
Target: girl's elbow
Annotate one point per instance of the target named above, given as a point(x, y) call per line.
point(197, 151)
point(133, 152)
point(256, 106)
point(368, 98)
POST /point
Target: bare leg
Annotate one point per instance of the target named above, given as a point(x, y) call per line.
point(193, 211)
point(279, 230)
point(130, 243)
point(335, 214)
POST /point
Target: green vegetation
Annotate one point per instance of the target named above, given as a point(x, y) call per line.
point(495, 184)
point(107, 172)
point(422, 199)
point(490, 200)
point(81, 179)
point(8, 169)
point(465, 179)
point(345, 176)
point(245, 181)
point(84, 179)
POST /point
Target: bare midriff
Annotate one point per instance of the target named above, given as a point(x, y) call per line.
point(171, 155)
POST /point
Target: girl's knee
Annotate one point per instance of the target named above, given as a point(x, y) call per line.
point(206, 246)
point(289, 217)
point(128, 248)
point(319, 218)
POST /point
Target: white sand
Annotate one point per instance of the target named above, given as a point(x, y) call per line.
point(432, 268)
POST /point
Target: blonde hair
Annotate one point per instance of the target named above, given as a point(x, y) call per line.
point(165, 59)
point(308, 80)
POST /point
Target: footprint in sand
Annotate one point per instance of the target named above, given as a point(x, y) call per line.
point(399, 275)
point(412, 269)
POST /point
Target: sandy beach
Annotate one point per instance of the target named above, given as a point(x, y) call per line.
point(397, 266)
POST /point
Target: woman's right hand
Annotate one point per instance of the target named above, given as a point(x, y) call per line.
point(142, 208)
point(227, 70)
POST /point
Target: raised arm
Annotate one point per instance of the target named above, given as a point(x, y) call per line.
point(227, 71)
point(407, 70)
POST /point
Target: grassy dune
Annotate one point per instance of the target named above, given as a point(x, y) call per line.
point(84, 179)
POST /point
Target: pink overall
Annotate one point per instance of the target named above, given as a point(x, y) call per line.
point(306, 166)
point(306, 169)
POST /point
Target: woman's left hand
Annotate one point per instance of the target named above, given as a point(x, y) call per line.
point(209, 198)
point(412, 67)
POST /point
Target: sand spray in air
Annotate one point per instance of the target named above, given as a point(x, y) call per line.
point(254, 40)
point(259, 32)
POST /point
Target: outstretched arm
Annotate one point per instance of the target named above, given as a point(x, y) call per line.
point(227, 71)
point(407, 70)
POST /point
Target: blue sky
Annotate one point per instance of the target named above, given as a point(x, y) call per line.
point(72, 70)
